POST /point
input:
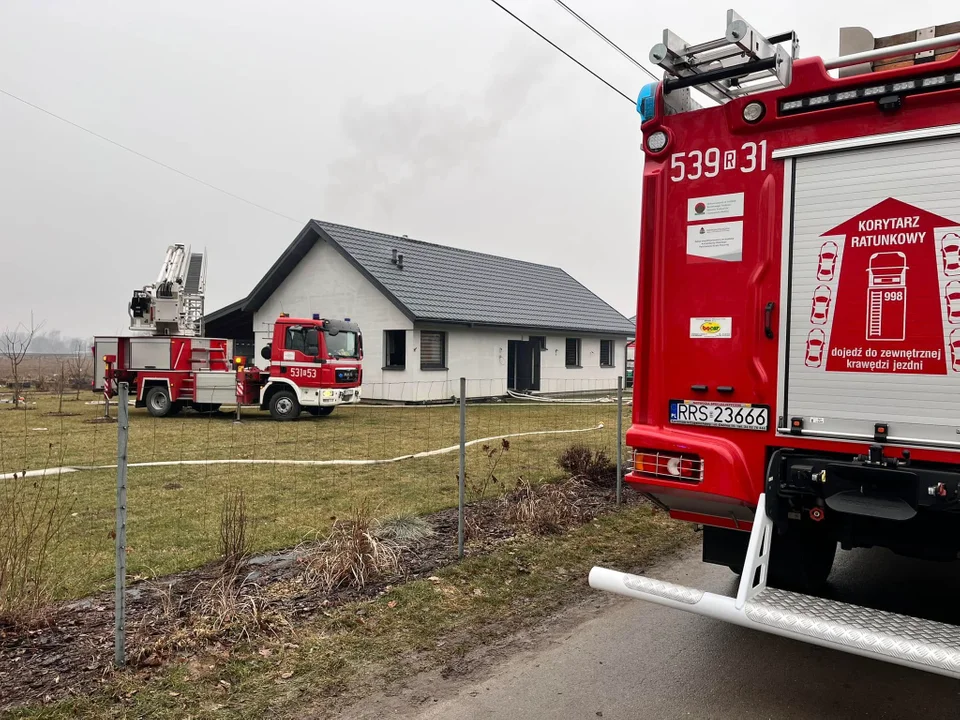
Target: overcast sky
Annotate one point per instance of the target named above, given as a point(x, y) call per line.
point(443, 120)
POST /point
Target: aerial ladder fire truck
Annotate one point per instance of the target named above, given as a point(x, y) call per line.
point(797, 369)
point(314, 364)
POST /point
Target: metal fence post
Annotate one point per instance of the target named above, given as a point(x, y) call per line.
point(463, 464)
point(619, 439)
point(123, 427)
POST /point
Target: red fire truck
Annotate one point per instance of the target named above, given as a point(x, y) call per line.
point(314, 364)
point(796, 384)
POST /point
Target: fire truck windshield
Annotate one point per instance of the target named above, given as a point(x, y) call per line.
point(342, 344)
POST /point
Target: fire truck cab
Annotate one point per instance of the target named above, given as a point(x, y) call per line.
point(795, 381)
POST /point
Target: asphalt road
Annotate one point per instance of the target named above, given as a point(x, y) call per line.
point(633, 660)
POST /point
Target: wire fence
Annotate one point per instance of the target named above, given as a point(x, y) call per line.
point(397, 457)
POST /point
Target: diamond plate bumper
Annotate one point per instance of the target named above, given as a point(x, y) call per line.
point(908, 641)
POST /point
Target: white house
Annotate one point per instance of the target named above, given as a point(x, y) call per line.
point(432, 314)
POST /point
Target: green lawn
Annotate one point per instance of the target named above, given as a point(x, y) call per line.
point(174, 510)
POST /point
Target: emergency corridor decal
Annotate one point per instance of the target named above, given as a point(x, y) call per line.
point(887, 294)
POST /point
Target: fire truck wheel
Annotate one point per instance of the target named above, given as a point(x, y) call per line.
point(158, 402)
point(284, 405)
point(801, 558)
point(320, 411)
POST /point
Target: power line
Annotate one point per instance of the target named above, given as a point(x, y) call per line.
point(147, 157)
point(607, 40)
point(557, 47)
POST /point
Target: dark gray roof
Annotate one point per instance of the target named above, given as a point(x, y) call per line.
point(448, 285)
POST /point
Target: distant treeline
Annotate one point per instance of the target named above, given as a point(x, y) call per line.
point(54, 343)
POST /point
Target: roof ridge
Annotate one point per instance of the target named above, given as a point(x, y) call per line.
point(325, 223)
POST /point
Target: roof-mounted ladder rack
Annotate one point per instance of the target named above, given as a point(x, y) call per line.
point(741, 62)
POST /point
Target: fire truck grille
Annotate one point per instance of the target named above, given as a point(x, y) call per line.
point(345, 375)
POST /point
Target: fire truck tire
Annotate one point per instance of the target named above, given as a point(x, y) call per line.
point(320, 411)
point(801, 558)
point(284, 405)
point(158, 402)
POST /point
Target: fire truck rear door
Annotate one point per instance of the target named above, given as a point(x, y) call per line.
point(871, 336)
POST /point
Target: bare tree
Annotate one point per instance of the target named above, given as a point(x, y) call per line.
point(14, 346)
point(79, 366)
point(60, 385)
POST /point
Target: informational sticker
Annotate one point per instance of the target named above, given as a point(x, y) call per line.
point(289, 355)
point(715, 207)
point(711, 327)
point(885, 298)
point(716, 241)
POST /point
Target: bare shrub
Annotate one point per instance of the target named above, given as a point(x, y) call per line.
point(581, 462)
point(545, 509)
point(404, 529)
point(32, 514)
point(79, 367)
point(351, 555)
point(234, 524)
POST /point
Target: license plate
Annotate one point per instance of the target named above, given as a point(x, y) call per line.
point(739, 416)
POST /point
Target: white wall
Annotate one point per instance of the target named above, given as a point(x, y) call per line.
point(325, 282)
point(480, 355)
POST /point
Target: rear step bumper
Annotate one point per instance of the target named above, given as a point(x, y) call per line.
point(912, 642)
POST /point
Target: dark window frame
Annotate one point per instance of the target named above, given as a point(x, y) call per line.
point(611, 353)
point(578, 350)
point(540, 340)
point(442, 365)
point(387, 365)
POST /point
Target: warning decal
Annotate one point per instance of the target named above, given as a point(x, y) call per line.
point(882, 300)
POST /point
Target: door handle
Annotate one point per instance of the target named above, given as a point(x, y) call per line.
point(768, 319)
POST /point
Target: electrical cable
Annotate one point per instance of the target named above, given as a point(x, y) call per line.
point(147, 157)
point(571, 57)
point(606, 39)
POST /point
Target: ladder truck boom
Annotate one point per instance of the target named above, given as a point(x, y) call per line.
point(173, 305)
point(797, 354)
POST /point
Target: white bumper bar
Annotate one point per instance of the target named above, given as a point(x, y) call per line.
point(911, 642)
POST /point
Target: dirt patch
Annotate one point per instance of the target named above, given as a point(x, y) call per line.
point(70, 652)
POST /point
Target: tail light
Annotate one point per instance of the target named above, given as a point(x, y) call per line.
point(668, 465)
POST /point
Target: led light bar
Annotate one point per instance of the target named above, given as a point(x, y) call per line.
point(868, 93)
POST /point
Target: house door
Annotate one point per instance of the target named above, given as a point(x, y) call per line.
point(523, 365)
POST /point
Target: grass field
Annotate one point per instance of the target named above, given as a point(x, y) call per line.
point(174, 511)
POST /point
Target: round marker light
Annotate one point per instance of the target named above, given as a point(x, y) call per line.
point(656, 141)
point(673, 466)
point(753, 111)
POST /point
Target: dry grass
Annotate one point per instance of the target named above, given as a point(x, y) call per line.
point(351, 555)
point(416, 627)
point(547, 508)
point(404, 529)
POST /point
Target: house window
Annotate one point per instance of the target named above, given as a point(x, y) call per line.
point(606, 353)
point(433, 350)
point(394, 349)
point(539, 341)
point(573, 352)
